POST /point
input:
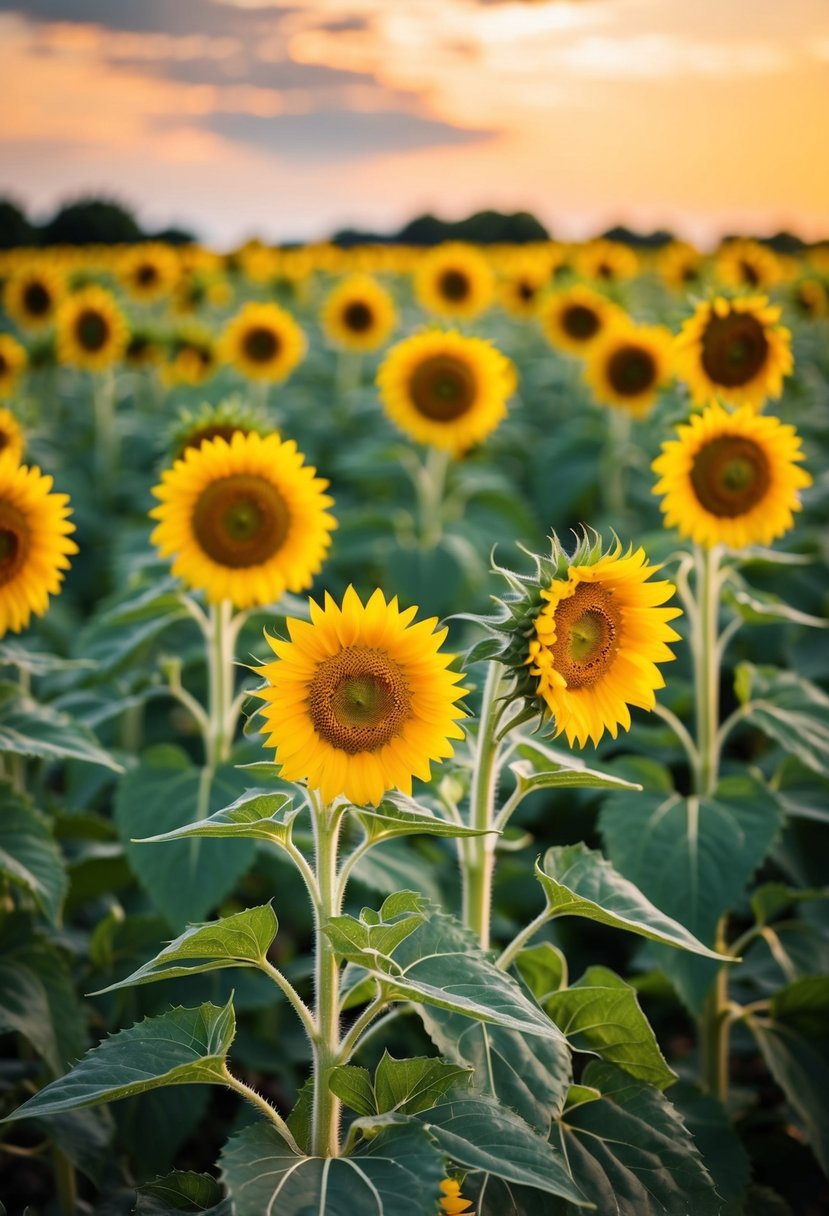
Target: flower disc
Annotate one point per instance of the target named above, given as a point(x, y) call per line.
point(34, 543)
point(360, 700)
point(359, 314)
point(245, 520)
point(628, 366)
point(731, 479)
point(574, 319)
point(263, 342)
point(734, 349)
point(92, 332)
point(454, 280)
point(32, 295)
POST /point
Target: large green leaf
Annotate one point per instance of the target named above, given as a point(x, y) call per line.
point(397, 1173)
point(630, 1152)
point(789, 709)
point(240, 940)
point(693, 857)
point(578, 881)
point(29, 856)
point(28, 728)
point(186, 879)
point(180, 1047)
point(253, 816)
point(38, 662)
point(136, 617)
point(572, 775)
point(377, 934)
point(399, 1087)
point(398, 815)
point(764, 608)
point(37, 995)
point(600, 1014)
point(182, 1191)
point(719, 1142)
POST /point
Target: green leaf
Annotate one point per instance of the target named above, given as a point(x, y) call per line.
point(772, 898)
point(693, 857)
point(37, 662)
point(410, 1086)
point(717, 1139)
point(789, 709)
point(182, 1191)
point(573, 775)
point(600, 1014)
point(396, 1173)
point(37, 995)
point(85, 1137)
point(376, 935)
point(240, 940)
point(180, 1047)
point(543, 968)
point(401, 816)
point(630, 1152)
point(253, 816)
point(763, 608)
point(28, 728)
point(24, 1010)
point(186, 879)
point(29, 856)
point(353, 1086)
point(137, 617)
point(578, 881)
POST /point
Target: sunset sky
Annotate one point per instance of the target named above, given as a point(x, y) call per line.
point(289, 120)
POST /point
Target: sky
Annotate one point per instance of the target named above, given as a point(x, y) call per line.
point(240, 118)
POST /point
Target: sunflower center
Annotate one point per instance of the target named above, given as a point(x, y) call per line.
point(14, 538)
point(526, 291)
point(146, 274)
point(734, 349)
point(605, 271)
point(261, 344)
point(443, 388)
point(454, 285)
point(730, 476)
point(4, 367)
point(358, 699)
point(579, 322)
point(631, 370)
point(357, 317)
point(91, 329)
point(690, 274)
point(748, 274)
point(241, 520)
point(37, 299)
point(587, 630)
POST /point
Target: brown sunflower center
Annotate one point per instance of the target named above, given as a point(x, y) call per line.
point(605, 271)
point(526, 291)
point(631, 370)
point(357, 316)
point(261, 344)
point(730, 475)
point(37, 299)
point(4, 367)
point(579, 322)
point(358, 699)
point(91, 330)
point(587, 635)
point(454, 285)
point(146, 275)
point(443, 388)
point(734, 349)
point(14, 542)
point(690, 274)
point(748, 273)
point(241, 520)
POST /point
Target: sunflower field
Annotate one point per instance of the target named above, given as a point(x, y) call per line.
point(414, 727)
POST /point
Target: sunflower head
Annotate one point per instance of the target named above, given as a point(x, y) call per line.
point(629, 365)
point(748, 265)
point(731, 478)
point(91, 331)
point(810, 298)
point(149, 271)
point(606, 261)
point(263, 342)
point(454, 280)
point(452, 1201)
point(583, 634)
point(358, 314)
point(193, 357)
point(680, 266)
point(575, 318)
point(195, 427)
point(734, 349)
point(13, 361)
point(360, 700)
point(445, 389)
point(11, 437)
point(32, 295)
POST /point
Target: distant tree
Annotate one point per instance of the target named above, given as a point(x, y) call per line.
point(15, 228)
point(91, 221)
point(172, 236)
point(639, 240)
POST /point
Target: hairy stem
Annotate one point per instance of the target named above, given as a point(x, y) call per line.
point(477, 853)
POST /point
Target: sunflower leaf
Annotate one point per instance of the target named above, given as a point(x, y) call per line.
point(763, 608)
point(791, 710)
point(398, 815)
point(570, 775)
point(29, 856)
point(28, 728)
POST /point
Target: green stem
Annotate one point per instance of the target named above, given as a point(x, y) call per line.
point(477, 853)
point(294, 999)
point(508, 956)
point(617, 454)
point(706, 669)
point(220, 637)
point(264, 1107)
point(65, 1183)
point(714, 1028)
point(349, 373)
point(431, 491)
point(106, 435)
point(325, 1117)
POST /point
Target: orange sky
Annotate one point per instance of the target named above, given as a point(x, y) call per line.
point(292, 119)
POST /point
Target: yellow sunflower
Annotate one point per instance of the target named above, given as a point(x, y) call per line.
point(32, 294)
point(263, 342)
point(452, 1201)
point(454, 280)
point(734, 349)
point(445, 389)
point(360, 700)
point(193, 357)
point(149, 271)
point(574, 319)
point(11, 434)
point(680, 265)
point(598, 637)
point(13, 360)
point(810, 298)
point(244, 520)
point(358, 314)
point(745, 263)
point(91, 330)
point(731, 478)
point(34, 543)
point(607, 261)
point(523, 283)
point(629, 365)
point(222, 421)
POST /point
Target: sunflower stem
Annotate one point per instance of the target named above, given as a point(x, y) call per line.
point(325, 1113)
point(106, 435)
point(431, 491)
point(220, 635)
point(349, 374)
point(477, 853)
point(617, 453)
point(714, 1027)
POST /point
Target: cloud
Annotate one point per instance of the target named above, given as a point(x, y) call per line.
point(148, 16)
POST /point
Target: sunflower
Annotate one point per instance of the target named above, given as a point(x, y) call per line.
point(607, 261)
point(245, 520)
point(452, 1201)
point(13, 360)
point(359, 314)
point(734, 349)
point(144, 349)
point(263, 342)
point(731, 478)
point(680, 265)
point(454, 280)
point(810, 298)
point(11, 435)
point(523, 283)
point(748, 264)
point(445, 389)
point(32, 295)
point(195, 427)
point(149, 271)
point(193, 356)
point(574, 319)
point(360, 700)
point(34, 543)
point(92, 333)
point(629, 365)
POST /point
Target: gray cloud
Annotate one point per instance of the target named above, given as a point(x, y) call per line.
point(284, 74)
point(209, 17)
